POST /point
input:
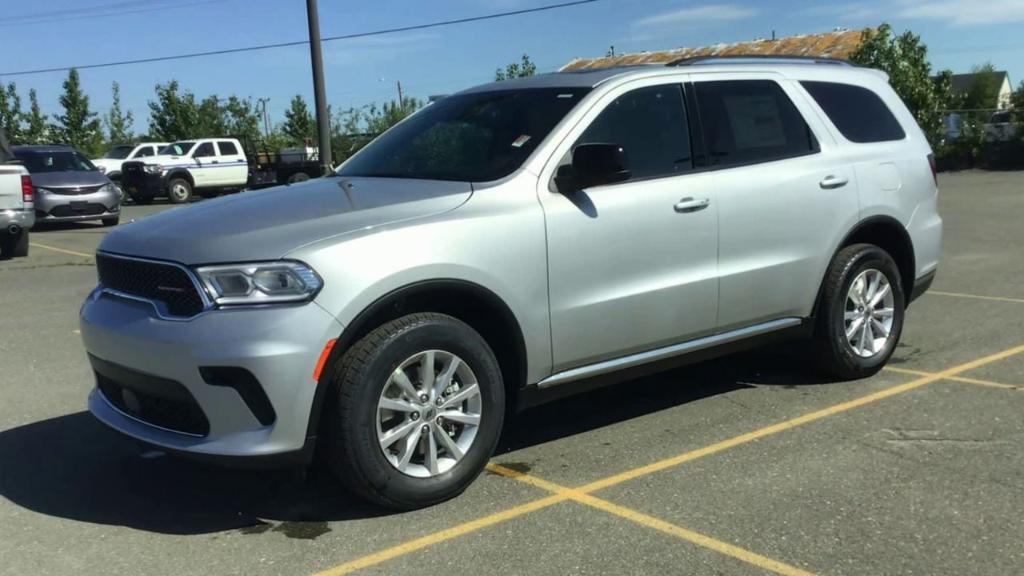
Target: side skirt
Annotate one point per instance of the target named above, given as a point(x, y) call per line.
point(609, 372)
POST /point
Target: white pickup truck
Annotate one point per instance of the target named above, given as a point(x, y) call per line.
point(204, 166)
point(110, 163)
point(17, 211)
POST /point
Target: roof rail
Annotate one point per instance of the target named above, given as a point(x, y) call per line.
point(691, 60)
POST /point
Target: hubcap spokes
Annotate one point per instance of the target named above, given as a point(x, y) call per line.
point(428, 413)
point(868, 316)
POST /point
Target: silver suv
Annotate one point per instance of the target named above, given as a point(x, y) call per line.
point(509, 244)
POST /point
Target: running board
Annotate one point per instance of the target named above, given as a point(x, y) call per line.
point(667, 352)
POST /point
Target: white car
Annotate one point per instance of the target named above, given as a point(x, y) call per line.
point(204, 166)
point(110, 163)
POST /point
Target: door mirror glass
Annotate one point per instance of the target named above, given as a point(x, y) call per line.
point(594, 165)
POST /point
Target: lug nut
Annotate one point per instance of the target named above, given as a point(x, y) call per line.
point(415, 416)
point(425, 429)
point(440, 400)
point(424, 398)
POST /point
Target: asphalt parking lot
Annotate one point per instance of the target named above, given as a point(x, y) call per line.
point(744, 465)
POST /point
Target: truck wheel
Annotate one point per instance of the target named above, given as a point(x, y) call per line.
point(14, 246)
point(298, 177)
point(414, 412)
point(179, 191)
point(861, 314)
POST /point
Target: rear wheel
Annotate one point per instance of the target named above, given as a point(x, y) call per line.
point(415, 412)
point(14, 245)
point(861, 314)
point(179, 190)
point(298, 177)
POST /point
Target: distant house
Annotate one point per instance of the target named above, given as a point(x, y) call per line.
point(838, 44)
point(962, 83)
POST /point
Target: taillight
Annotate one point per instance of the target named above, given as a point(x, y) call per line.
point(935, 171)
point(26, 188)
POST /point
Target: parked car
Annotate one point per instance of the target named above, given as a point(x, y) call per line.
point(1002, 126)
point(68, 187)
point(110, 163)
point(510, 244)
point(205, 166)
point(17, 213)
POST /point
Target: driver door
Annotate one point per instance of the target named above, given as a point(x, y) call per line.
point(205, 159)
point(633, 266)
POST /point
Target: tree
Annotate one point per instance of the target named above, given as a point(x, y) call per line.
point(78, 125)
point(119, 123)
point(174, 115)
point(242, 120)
point(210, 121)
point(905, 59)
point(520, 69)
point(298, 122)
point(356, 127)
point(983, 91)
point(1017, 99)
point(36, 129)
point(10, 113)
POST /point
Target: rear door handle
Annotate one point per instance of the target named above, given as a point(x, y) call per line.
point(832, 182)
point(687, 205)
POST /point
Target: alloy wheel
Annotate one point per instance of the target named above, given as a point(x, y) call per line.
point(428, 413)
point(869, 312)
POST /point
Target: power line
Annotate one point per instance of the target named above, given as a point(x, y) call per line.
point(98, 11)
point(304, 42)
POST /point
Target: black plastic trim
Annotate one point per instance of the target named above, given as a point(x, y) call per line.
point(247, 386)
point(921, 285)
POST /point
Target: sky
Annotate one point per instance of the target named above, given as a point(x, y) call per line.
point(52, 33)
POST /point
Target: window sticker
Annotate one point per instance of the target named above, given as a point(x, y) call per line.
point(519, 142)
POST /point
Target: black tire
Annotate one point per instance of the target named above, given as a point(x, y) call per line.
point(836, 355)
point(352, 449)
point(182, 184)
point(14, 246)
point(111, 221)
point(298, 177)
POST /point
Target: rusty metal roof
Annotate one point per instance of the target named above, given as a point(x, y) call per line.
point(838, 44)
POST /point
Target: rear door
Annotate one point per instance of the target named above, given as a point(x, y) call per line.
point(234, 170)
point(633, 265)
point(783, 196)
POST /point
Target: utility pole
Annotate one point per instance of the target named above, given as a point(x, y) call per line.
point(401, 99)
point(266, 120)
point(323, 122)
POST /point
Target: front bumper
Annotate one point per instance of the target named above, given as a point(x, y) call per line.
point(23, 219)
point(279, 346)
point(53, 207)
point(142, 184)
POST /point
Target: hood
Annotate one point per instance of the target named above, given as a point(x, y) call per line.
point(90, 179)
point(163, 159)
point(108, 163)
point(268, 224)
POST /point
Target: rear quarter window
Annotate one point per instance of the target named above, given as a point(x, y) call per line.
point(857, 112)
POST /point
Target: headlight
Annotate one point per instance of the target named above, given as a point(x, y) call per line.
point(153, 168)
point(108, 187)
point(260, 283)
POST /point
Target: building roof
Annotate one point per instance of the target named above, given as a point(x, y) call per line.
point(838, 44)
point(962, 82)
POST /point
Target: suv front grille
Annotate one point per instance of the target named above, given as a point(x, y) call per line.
point(155, 281)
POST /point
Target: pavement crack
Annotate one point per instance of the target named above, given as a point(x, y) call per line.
point(900, 436)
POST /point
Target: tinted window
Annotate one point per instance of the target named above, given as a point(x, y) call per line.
point(748, 121)
point(178, 148)
point(474, 137)
point(118, 152)
point(144, 151)
point(203, 150)
point(858, 113)
point(227, 148)
point(59, 161)
point(650, 124)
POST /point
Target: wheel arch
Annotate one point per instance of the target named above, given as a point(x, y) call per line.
point(476, 305)
point(888, 234)
point(180, 173)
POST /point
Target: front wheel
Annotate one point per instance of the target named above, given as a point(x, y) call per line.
point(179, 191)
point(416, 409)
point(15, 245)
point(861, 314)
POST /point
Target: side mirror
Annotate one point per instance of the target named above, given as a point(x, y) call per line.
point(594, 165)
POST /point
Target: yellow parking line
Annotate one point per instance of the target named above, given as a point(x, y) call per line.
point(655, 523)
point(961, 379)
point(441, 536)
point(55, 249)
point(977, 296)
point(516, 511)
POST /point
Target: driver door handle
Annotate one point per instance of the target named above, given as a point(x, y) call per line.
point(833, 182)
point(689, 204)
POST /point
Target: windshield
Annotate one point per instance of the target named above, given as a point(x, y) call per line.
point(118, 152)
point(60, 161)
point(178, 148)
point(474, 137)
